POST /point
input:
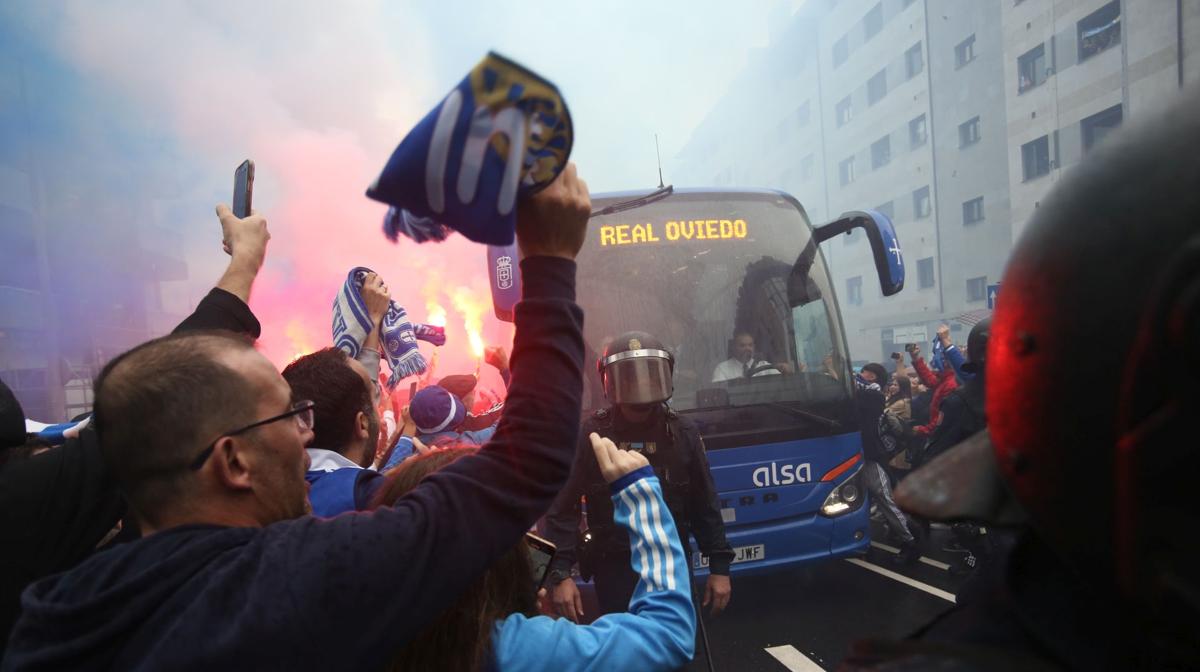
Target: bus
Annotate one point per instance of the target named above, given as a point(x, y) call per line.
point(697, 267)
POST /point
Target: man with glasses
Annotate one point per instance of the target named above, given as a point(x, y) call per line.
point(231, 572)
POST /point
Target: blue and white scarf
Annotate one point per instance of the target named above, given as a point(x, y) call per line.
point(503, 132)
point(352, 324)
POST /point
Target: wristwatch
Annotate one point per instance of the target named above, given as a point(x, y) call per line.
point(557, 576)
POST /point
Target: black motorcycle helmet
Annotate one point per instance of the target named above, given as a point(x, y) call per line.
point(636, 369)
point(1091, 378)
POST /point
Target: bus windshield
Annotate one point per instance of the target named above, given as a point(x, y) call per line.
point(707, 274)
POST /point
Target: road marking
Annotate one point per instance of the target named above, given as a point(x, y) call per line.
point(929, 561)
point(792, 659)
point(937, 592)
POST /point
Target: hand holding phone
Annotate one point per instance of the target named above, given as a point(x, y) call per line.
point(243, 189)
point(243, 195)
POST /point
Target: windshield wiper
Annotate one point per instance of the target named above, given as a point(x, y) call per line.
point(634, 203)
point(807, 415)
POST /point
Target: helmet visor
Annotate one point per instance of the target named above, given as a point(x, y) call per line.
point(638, 377)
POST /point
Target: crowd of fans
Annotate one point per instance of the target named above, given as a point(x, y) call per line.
point(171, 531)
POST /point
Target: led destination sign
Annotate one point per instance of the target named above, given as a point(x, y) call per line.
point(672, 231)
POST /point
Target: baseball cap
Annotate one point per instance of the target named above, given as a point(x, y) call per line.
point(434, 409)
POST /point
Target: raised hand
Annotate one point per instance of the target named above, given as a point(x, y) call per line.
point(614, 462)
point(553, 222)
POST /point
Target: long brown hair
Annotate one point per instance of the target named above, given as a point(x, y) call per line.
point(460, 638)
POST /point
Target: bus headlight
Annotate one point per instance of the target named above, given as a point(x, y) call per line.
point(846, 497)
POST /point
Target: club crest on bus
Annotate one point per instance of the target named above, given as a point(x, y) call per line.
point(504, 272)
point(781, 475)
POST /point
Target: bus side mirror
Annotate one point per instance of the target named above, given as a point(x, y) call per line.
point(885, 246)
point(504, 276)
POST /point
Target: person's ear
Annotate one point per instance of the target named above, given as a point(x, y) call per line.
point(362, 428)
point(231, 464)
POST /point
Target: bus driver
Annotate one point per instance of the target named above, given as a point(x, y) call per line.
point(743, 364)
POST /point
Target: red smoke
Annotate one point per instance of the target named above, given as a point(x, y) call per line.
point(318, 96)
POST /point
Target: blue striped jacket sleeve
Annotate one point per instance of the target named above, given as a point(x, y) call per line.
point(658, 632)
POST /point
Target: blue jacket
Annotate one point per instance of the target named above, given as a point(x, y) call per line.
point(404, 445)
point(658, 632)
point(337, 485)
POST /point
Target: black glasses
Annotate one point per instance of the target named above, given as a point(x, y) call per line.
point(301, 410)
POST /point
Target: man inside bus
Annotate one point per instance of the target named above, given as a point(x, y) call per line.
point(636, 371)
point(744, 364)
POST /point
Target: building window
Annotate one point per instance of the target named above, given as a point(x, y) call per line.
point(1031, 69)
point(806, 167)
point(973, 211)
point(881, 152)
point(918, 133)
point(977, 289)
point(877, 87)
point(1100, 30)
point(1098, 126)
point(925, 273)
point(841, 51)
point(873, 21)
point(964, 53)
point(845, 112)
point(886, 209)
point(1035, 158)
point(854, 290)
point(914, 61)
point(921, 205)
point(846, 171)
point(968, 132)
point(803, 114)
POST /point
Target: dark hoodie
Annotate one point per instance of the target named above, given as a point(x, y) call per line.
point(55, 507)
point(340, 593)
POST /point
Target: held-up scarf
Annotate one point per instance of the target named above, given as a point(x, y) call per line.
point(503, 132)
point(352, 324)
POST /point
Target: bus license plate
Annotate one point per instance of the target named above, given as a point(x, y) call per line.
point(740, 554)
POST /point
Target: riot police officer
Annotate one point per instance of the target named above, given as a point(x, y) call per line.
point(636, 371)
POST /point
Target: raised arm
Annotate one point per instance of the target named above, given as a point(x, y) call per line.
point(659, 631)
point(225, 307)
point(405, 563)
point(246, 242)
point(923, 371)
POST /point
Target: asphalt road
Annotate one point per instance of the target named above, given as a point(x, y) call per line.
point(807, 618)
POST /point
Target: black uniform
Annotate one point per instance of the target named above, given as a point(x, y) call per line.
point(675, 450)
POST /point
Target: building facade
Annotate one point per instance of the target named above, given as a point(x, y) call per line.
point(946, 116)
point(1075, 70)
point(69, 297)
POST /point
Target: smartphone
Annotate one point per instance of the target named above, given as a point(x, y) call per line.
point(909, 347)
point(541, 552)
point(243, 189)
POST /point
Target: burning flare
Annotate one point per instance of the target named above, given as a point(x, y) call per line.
point(298, 335)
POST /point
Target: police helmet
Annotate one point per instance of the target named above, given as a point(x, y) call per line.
point(637, 369)
point(1092, 361)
